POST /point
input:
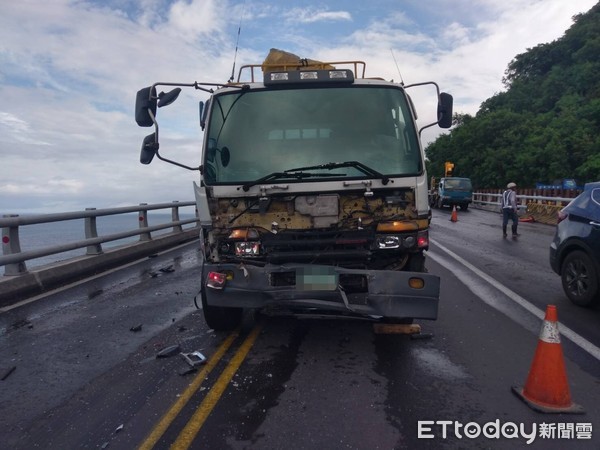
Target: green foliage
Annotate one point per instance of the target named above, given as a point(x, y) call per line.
point(544, 127)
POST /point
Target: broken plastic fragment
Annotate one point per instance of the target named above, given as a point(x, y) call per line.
point(168, 351)
point(194, 358)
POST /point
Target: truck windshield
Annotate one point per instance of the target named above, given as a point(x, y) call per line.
point(267, 131)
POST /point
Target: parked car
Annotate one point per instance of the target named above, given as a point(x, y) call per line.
point(575, 249)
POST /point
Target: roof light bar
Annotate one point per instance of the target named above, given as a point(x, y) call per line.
point(309, 76)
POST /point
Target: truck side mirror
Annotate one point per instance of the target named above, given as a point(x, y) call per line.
point(168, 98)
point(445, 110)
point(145, 102)
point(149, 149)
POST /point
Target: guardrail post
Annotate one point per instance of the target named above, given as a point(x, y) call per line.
point(92, 232)
point(11, 246)
point(175, 218)
point(143, 219)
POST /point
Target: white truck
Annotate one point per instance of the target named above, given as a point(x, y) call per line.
point(312, 197)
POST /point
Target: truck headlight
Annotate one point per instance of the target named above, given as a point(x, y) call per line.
point(251, 248)
point(388, 242)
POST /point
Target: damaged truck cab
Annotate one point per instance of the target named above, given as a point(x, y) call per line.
point(312, 195)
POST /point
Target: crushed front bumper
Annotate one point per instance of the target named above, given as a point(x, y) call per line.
point(320, 288)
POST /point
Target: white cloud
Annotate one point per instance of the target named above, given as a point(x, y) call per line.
point(69, 74)
point(196, 18)
point(311, 15)
point(16, 130)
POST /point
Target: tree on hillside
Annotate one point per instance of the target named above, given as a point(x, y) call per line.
point(544, 127)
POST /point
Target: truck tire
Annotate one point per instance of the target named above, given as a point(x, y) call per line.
point(220, 318)
point(416, 263)
point(464, 207)
point(440, 205)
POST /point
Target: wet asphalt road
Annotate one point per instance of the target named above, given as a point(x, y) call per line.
point(83, 379)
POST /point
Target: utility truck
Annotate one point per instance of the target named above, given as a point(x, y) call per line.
point(312, 194)
point(451, 191)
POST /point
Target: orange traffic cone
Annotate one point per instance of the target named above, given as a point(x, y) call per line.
point(546, 389)
point(454, 216)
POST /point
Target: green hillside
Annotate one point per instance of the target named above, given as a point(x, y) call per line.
point(544, 127)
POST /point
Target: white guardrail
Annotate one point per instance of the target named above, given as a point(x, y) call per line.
point(20, 283)
point(14, 260)
point(534, 207)
point(490, 199)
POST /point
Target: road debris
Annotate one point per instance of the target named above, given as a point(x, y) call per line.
point(119, 428)
point(167, 269)
point(194, 358)
point(396, 328)
point(136, 328)
point(168, 351)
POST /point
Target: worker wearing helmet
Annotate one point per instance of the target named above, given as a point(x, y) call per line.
point(510, 209)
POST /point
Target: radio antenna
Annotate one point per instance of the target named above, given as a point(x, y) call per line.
point(236, 44)
point(397, 67)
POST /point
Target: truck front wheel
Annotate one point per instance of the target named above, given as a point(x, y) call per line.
point(416, 262)
point(220, 318)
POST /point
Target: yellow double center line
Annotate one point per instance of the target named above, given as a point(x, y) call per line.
point(189, 432)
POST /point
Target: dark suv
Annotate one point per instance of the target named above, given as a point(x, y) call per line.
point(575, 250)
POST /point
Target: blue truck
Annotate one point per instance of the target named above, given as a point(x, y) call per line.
point(451, 191)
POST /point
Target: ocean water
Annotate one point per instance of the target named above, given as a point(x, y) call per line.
point(39, 236)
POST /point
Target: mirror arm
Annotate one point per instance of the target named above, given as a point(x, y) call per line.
point(157, 153)
point(176, 163)
point(427, 126)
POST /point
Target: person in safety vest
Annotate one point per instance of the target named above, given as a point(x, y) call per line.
point(510, 209)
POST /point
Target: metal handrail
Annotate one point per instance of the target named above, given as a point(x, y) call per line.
point(14, 259)
point(523, 200)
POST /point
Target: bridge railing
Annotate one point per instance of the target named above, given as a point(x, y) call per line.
point(538, 205)
point(14, 260)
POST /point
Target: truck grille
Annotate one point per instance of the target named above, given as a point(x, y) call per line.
point(325, 247)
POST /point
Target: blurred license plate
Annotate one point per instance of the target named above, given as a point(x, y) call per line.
point(316, 279)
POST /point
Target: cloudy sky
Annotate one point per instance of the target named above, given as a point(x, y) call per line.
point(70, 70)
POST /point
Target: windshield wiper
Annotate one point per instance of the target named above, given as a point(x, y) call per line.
point(357, 165)
point(286, 174)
